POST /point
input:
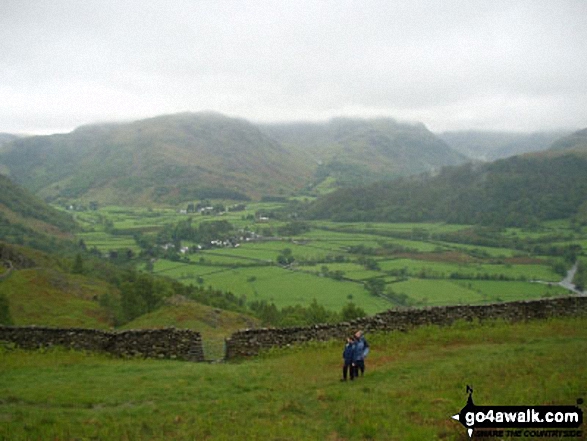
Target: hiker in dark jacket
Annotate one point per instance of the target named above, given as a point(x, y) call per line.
point(361, 351)
point(348, 355)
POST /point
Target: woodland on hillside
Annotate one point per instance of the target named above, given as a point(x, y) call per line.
point(519, 191)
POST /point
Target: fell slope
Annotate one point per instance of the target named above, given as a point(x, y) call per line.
point(517, 191)
point(6, 138)
point(574, 141)
point(490, 146)
point(25, 218)
point(359, 151)
point(167, 158)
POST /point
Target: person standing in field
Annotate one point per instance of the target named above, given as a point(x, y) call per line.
point(348, 355)
point(361, 351)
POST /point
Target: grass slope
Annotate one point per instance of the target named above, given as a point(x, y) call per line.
point(357, 151)
point(21, 208)
point(168, 158)
point(214, 324)
point(517, 191)
point(414, 382)
point(48, 297)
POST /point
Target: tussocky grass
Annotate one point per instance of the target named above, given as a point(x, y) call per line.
point(414, 382)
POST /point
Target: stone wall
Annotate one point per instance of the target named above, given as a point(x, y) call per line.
point(184, 344)
point(250, 341)
point(172, 343)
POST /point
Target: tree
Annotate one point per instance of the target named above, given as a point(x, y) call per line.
point(78, 264)
point(145, 289)
point(131, 302)
point(316, 314)
point(5, 317)
point(286, 257)
point(350, 311)
point(375, 286)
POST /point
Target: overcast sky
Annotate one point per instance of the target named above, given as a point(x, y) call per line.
point(453, 65)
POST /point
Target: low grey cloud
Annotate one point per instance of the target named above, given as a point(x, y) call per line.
point(452, 65)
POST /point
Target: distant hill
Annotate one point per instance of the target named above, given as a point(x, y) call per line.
point(167, 159)
point(26, 219)
point(187, 156)
point(7, 137)
point(359, 151)
point(517, 191)
point(574, 141)
point(489, 146)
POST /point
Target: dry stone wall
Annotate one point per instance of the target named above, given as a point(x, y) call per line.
point(250, 342)
point(184, 344)
point(170, 343)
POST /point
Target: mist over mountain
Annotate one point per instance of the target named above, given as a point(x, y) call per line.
point(574, 141)
point(517, 191)
point(489, 146)
point(7, 137)
point(359, 151)
point(179, 157)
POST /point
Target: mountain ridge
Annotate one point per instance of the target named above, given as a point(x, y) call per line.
point(574, 141)
point(517, 191)
point(353, 150)
point(493, 145)
point(175, 158)
point(151, 159)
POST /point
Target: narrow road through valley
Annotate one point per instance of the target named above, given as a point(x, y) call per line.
point(567, 282)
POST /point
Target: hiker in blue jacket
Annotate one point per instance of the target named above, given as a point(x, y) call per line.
point(361, 351)
point(348, 355)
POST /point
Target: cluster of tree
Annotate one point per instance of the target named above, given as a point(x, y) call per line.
point(491, 236)
point(204, 232)
point(369, 263)
point(299, 315)
point(205, 204)
point(518, 191)
point(285, 257)
point(378, 288)
point(485, 276)
point(336, 275)
point(141, 293)
point(329, 258)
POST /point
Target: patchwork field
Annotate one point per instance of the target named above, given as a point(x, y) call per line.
point(335, 262)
